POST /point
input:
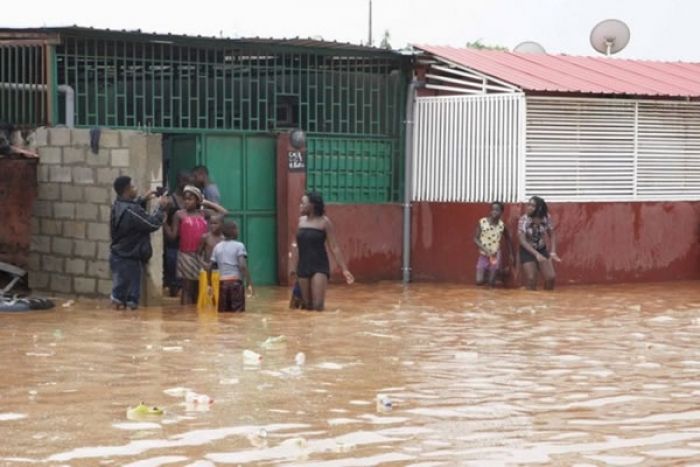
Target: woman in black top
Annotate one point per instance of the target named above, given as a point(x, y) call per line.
point(309, 264)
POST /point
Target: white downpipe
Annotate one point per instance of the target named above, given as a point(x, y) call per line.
point(70, 104)
point(64, 88)
point(408, 179)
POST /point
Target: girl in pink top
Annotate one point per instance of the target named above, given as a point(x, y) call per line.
point(190, 224)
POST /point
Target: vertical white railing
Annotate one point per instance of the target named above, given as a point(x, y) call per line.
point(469, 148)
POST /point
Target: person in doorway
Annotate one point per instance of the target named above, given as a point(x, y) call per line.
point(309, 264)
point(231, 258)
point(177, 202)
point(130, 229)
point(189, 225)
point(201, 180)
point(487, 237)
point(535, 257)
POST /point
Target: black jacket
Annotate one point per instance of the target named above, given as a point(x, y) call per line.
point(131, 229)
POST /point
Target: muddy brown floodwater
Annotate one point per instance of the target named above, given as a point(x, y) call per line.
point(582, 376)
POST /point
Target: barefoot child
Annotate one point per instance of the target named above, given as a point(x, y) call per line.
point(487, 238)
point(189, 224)
point(231, 258)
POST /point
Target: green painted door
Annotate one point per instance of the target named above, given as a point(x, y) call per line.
point(182, 156)
point(244, 169)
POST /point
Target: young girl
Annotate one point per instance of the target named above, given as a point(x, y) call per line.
point(190, 224)
point(487, 238)
point(309, 259)
point(534, 255)
point(231, 258)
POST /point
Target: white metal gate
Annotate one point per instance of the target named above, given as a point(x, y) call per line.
point(468, 148)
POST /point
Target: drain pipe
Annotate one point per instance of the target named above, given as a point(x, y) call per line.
point(408, 179)
point(64, 88)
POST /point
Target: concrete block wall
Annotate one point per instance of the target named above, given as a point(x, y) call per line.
point(70, 244)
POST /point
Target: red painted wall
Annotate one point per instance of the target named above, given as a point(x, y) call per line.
point(18, 190)
point(370, 239)
point(598, 242)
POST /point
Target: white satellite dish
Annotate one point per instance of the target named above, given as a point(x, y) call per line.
point(610, 36)
point(529, 47)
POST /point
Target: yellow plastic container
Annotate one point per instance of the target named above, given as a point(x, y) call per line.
point(204, 300)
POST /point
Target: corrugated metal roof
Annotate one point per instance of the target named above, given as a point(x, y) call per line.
point(545, 73)
point(296, 42)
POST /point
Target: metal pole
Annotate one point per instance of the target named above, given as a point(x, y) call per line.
point(408, 179)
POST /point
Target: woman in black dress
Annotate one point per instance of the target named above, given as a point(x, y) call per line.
point(309, 264)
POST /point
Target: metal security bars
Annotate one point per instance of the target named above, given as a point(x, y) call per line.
point(24, 87)
point(467, 148)
point(353, 170)
point(612, 149)
point(170, 86)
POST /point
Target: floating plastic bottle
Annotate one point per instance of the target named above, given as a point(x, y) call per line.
point(384, 403)
point(300, 359)
point(251, 358)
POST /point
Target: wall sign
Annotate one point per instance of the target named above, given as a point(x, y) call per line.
point(296, 161)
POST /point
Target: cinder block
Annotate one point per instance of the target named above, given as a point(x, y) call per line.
point(51, 227)
point(49, 191)
point(83, 175)
point(42, 173)
point(86, 211)
point(61, 283)
point(59, 136)
point(127, 135)
point(104, 287)
point(120, 158)
point(60, 174)
point(62, 246)
point(106, 214)
point(107, 176)
point(101, 159)
point(96, 194)
point(42, 208)
point(35, 226)
point(97, 231)
point(80, 137)
point(38, 280)
point(64, 210)
point(74, 156)
point(50, 155)
point(34, 262)
point(74, 229)
point(52, 263)
point(85, 285)
point(85, 249)
point(99, 269)
point(103, 250)
point(109, 139)
point(75, 267)
point(72, 193)
point(40, 244)
point(39, 138)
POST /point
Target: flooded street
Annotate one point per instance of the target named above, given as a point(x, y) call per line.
point(585, 375)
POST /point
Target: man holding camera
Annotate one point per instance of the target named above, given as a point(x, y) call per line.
point(131, 228)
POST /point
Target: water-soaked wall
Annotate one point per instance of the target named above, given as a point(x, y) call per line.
point(598, 242)
point(18, 190)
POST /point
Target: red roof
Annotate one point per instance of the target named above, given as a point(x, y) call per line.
point(569, 74)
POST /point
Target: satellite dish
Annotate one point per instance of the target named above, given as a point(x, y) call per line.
point(529, 47)
point(610, 36)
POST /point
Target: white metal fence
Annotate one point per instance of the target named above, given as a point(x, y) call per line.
point(508, 147)
point(468, 148)
point(612, 149)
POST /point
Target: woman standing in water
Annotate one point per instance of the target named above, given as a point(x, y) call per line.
point(309, 264)
point(533, 227)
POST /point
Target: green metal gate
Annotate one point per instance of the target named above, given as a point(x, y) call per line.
point(243, 166)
